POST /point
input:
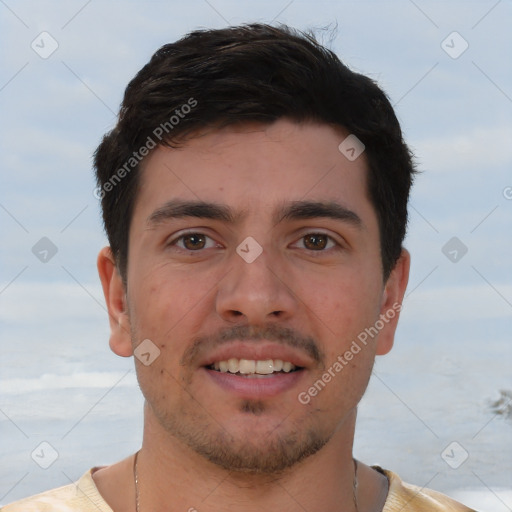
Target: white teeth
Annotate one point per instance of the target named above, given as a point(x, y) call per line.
point(287, 366)
point(246, 366)
point(233, 365)
point(249, 366)
point(278, 365)
point(265, 367)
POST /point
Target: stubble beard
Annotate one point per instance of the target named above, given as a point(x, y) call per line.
point(270, 453)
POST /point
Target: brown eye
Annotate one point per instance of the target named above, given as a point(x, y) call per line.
point(194, 241)
point(316, 241)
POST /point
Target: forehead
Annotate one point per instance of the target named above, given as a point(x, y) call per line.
point(254, 168)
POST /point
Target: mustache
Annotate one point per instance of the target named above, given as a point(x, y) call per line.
point(281, 335)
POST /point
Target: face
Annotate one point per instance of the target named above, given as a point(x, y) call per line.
point(254, 268)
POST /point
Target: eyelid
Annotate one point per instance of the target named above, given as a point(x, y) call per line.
point(338, 241)
point(173, 239)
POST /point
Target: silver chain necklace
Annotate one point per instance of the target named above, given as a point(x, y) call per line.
point(136, 478)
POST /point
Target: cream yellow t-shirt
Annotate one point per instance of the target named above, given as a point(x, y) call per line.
point(83, 496)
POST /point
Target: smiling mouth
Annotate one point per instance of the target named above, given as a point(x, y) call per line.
point(253, 368)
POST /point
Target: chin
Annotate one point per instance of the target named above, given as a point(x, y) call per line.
point(254, 440)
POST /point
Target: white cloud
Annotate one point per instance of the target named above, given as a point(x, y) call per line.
point(80, 380)
point(457, 304)
point(476, 149)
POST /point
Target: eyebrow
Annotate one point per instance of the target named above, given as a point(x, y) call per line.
point(178, 209)
point(295, 210)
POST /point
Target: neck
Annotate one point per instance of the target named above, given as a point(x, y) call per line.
point(170, 472)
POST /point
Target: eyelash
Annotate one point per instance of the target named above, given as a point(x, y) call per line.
point(191, 233)
point(337, 245)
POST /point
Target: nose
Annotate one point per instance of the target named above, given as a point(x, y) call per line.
point(256, 292)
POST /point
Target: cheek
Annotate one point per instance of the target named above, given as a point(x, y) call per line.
point(169, 308)
point(346, 308)
point(165, 298)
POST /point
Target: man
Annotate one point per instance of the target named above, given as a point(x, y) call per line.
point(254, 194)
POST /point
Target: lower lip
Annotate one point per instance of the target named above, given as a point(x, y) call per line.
point(259, 387)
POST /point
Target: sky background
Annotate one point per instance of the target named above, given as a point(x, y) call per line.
point(452, 94)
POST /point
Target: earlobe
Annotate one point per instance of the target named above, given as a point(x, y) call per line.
point(115, 298)
point(391, 304)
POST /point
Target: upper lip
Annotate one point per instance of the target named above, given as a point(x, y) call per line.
point(259, 350)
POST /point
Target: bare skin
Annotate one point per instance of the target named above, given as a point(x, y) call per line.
point(217, 441)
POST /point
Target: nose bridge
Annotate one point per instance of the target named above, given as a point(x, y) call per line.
point(254, 287)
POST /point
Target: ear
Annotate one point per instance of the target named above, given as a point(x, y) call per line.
point(391, 305)
point(115, 298)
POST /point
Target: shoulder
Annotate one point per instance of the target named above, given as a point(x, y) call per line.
point(81, 496)
point(411, 498)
